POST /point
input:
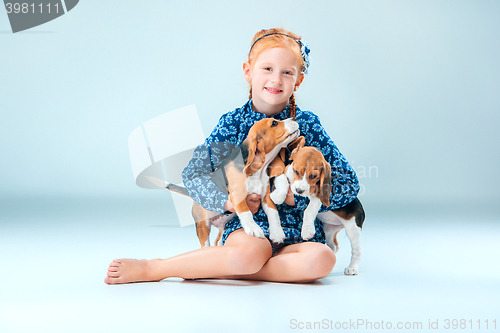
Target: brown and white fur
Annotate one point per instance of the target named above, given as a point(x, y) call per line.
point(309, 175)
point(245, 172)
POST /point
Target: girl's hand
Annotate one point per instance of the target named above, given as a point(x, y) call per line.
point(290, 199)
point(253, 203)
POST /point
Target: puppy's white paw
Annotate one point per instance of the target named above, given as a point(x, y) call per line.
point(308, 231)
point(277, 235)
point(278, 197)
point(254, 230)
point(351, 271)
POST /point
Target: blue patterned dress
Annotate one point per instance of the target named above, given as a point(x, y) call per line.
point(231, 130)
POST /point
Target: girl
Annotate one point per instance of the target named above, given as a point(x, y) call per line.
point(277, 62)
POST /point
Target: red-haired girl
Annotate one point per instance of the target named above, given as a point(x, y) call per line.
point(277, 62)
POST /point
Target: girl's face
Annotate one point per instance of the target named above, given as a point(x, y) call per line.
point(274, 76)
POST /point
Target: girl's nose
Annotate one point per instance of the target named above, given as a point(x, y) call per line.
point(277, 78)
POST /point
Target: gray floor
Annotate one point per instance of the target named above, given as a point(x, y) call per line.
point(416, 268)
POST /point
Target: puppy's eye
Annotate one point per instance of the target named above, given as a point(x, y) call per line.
point(274, 124)
point(296, 172)
point(312, 176)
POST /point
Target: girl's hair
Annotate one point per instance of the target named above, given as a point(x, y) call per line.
point(277, 38)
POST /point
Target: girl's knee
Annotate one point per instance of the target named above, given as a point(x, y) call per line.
point(321, 262)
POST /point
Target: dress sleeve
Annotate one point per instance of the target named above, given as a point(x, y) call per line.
point(345, 185)
point(198, 174)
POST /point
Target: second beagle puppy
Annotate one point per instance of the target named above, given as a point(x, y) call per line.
point(309, 175)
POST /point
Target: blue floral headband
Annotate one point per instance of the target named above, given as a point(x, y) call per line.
point(304, 49)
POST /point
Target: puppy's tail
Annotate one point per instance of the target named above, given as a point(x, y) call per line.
point(169, 186)
point(177, 189)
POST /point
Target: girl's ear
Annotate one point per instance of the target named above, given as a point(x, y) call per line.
point(299, 82)
point(247, 71)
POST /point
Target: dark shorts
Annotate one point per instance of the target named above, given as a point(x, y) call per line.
point(277, 247)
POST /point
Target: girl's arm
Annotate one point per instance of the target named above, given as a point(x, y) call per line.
point(198, 176)
point(345, 185)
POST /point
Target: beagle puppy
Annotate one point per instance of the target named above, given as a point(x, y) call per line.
point(309, 175)
point(243, 173)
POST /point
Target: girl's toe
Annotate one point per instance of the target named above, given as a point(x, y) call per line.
point(115, 263)
point(113, 274)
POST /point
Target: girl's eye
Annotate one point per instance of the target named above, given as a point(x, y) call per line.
point(274, 124)
point(268, 69)
point(288, 73)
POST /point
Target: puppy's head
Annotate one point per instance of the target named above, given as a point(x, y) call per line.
point(310, 174)
point(265, 138)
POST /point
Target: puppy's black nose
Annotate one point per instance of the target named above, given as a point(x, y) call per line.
point(299, 191)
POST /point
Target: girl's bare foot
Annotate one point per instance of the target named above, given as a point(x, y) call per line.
point(129, 270)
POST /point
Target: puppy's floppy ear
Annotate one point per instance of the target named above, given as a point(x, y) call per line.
point(277, 166)
point(296, 145)
point(282, 154)
point(256, 155)
point(325, 185)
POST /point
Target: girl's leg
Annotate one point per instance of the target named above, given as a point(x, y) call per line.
point(303, 262)
point(241, 254)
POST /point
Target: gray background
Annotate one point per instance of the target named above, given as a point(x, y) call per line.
point(408, 88)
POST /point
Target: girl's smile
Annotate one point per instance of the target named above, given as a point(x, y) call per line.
point(273, 90)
